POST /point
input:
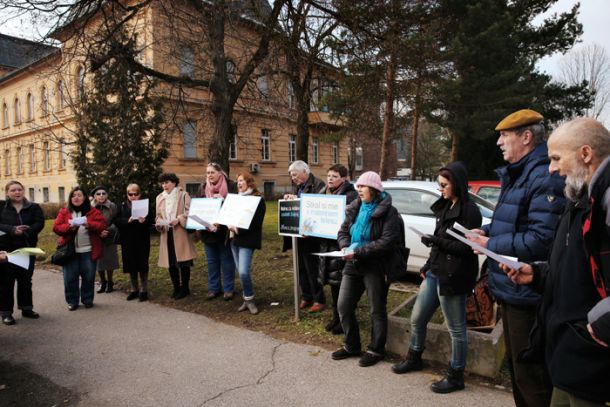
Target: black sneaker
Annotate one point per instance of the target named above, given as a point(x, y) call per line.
point(342, 353)
point(28, 313)
point(133, 295)
point(89, 305)
point(8, 320)
point(143, 296)
point(369, 359)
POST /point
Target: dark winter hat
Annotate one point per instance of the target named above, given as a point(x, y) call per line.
point(519, 118)
point(99, 188)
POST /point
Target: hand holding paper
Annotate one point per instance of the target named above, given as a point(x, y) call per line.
point(78, 221)
point(511, 262)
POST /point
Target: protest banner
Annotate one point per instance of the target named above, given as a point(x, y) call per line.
point(321, 215)
point(238, 210)
point(206, 209)
point(288, 216)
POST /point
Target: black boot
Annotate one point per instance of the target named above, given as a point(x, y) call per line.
point(333, 322)
point(103, 285)
point(174, 275)
point(453, 380)
point(110, 287)
point(185, 276)
point(411, 363)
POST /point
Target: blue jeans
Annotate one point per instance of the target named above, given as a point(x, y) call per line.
point(220, 258)
point(243, 262)
point(454, 311)
point(83, 266)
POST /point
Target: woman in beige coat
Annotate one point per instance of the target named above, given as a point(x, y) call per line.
point(176, 246)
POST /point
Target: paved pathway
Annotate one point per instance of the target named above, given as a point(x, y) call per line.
point(142, 354)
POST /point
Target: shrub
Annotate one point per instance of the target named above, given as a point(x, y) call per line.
point(50, 209)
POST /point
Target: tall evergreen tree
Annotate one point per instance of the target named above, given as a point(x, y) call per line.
point(119, 138)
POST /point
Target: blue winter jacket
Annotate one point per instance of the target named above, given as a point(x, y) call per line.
point(523, 224)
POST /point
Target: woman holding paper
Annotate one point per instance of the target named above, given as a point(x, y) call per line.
point(449, 275)
point(135, 241)
point(110, 257)
point(369, 236)
point(20, 223)
point(216, 240)
point(331, 268)
point(176, 246)
point(245, 241)
point(81, 225)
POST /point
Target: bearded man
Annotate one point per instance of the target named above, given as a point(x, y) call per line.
point(572, 330)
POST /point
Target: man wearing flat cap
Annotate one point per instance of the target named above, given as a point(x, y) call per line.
point(531, 201)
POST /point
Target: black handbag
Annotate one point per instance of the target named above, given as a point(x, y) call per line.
point(63, 253)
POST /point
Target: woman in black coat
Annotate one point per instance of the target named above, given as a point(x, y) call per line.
point(369, 235)
point(135, 244)
point(20, 223)
point(331, 268)
point(449, 275)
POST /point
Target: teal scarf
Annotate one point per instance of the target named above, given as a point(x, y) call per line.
point(361, 229)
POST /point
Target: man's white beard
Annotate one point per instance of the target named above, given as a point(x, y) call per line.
point(576, 183)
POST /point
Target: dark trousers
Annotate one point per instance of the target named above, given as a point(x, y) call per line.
point(334, 291)
point(531, 383)
point(311, 289)
point(9, 273)
point(352, 287)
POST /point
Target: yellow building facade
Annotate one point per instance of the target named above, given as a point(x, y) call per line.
point(37, 124)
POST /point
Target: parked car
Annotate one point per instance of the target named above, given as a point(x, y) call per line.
point(413, 200)
point(489, 190)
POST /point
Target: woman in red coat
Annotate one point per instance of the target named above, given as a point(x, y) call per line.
point(80, 224)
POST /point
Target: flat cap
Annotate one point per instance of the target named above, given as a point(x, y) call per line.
point(519, 118)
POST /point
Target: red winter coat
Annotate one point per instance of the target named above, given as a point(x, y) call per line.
point(95, 224)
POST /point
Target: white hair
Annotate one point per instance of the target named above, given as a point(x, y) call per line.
point(299, 165)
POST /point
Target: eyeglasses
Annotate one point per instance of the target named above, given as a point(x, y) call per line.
point(100, 193)
point(442, 185)
point(216, 166)
point(133, 193)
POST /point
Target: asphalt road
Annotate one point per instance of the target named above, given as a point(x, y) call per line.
point(121, 353)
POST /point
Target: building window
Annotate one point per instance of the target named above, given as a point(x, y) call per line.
point(233, 144)
point(32, 158)
point(61, 98)
point(335, 152)
point(63, 157)
point(19, 161)
point(45, 194)
point(187, 62)
point(47, 156)
point(31, 194)
point(263, 86)
point(315, 150)
point(44, 101)
point(269, 189)
point(61, 192)
point(359, 161)
point(265, 151)
point(7, 162)
point(292, 102)
point(30, 107)
point(192, 188)
point(231, 71)
point(17, 111)
point(4, 115)
point(189, 140)
point(292, 147)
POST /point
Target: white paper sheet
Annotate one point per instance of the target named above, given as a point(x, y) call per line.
point(205, 209)
point(81, 220)
point(337, 253)
point(202, 222)
point(21, 260)
point(139, 208)
point(162, 222)
point(238, 210)
point(29, 251)
point(509, 261)
point(465, 231)
point(417, 231)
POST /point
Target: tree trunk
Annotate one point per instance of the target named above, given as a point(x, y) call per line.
point(414, 141)
point(455, 143)
point(388, 118)
point(218, 149)
point(303, 131)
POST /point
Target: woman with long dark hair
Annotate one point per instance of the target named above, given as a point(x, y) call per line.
point(84, 234)
point(449, 275)
point(20, 221)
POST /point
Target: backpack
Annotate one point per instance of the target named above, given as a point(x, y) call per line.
point(400, 257)
point(480, 305)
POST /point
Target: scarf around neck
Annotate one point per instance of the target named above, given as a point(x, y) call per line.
point(220, 188)
point(361, 229)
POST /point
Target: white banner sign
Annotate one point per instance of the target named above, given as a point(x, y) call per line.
point(321, 215)
point(238, 210)
point(205, 209)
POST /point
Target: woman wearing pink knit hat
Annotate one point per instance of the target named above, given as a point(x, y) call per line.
point(368, 236)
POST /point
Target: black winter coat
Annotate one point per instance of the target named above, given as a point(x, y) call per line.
point(330, 268)
point(376, 255)
point(252, 238)
point(134, 239)
point(30, 215)
point(222, 232)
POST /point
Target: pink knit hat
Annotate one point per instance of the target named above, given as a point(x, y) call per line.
point(370, 179)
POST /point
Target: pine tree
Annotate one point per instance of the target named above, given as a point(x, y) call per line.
point(119, 139)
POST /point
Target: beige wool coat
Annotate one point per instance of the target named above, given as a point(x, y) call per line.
point(183, 241)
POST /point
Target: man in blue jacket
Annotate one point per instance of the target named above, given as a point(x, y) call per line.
point(530, 203)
